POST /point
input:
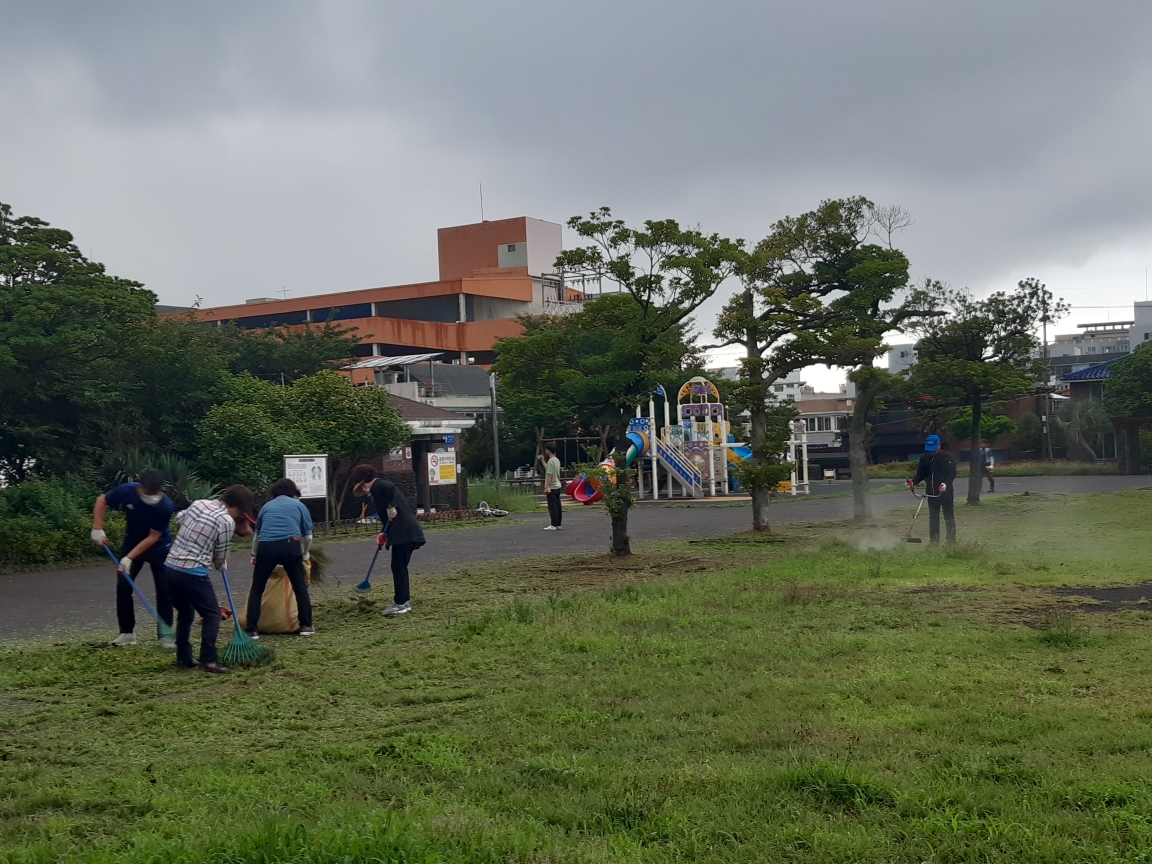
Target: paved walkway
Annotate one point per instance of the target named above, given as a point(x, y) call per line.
point(67, 602)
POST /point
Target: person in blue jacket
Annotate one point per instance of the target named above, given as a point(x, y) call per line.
point(148, 537)
point(283, 536)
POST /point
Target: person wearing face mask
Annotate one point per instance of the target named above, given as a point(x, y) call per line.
point(402, 533)
point(147, 539)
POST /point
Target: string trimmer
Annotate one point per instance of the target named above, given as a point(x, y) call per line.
point(366, 586)
point(164, 632)
point(908, 538)
point(243, 650)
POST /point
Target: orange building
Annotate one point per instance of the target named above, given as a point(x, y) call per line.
point(490, 272)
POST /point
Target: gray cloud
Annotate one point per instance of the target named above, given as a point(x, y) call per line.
point(228, 149)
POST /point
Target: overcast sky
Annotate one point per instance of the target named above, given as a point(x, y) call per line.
point(227, 150)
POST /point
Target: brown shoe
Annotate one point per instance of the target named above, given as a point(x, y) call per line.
point(215, 668)
point(180, 665)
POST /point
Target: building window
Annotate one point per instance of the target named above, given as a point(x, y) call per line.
point(1091, 349)
point(821, 424)
point(342, 313)
point(779, 388)
point(511, 247)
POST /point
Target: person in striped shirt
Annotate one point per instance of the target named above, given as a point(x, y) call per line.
point(203, 541)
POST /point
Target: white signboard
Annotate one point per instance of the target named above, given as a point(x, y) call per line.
point(309, 473)
point(441, 469)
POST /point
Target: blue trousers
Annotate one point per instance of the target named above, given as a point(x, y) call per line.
point(192, 594)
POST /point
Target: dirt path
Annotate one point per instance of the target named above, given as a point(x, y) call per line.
point(69, 602)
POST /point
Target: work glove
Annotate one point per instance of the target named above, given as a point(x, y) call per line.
point(943, 487)
point(380, 538)
point(909, 482)
point(99, 537)
point(126, 564)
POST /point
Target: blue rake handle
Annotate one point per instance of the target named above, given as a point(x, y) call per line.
point(228, 591)
point(132, 584)
point(366, 585)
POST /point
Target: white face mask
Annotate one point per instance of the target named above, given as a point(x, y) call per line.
point(152, 499)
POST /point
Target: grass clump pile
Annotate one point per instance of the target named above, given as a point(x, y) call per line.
point(831, 698)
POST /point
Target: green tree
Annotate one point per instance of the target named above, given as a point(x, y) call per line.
point(992, 426)
point(812, 291)
point(244, 439)
point(1082, 424)
point(982, 349)
point(593, 367)
point(1128, 387)
point(64, 322)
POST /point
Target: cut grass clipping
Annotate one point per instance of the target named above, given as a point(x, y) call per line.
point(841, 697)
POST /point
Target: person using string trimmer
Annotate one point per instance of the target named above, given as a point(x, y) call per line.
point(937, 471)
point(147, 538)
point(203, 541)
point(402, 533)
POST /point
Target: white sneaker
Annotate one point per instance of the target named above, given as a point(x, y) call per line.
point(398, 609)
point(169, 644)
point(551, 528)
point(124, 639)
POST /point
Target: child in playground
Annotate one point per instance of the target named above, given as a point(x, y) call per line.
point(146, 541)
point(203, 541)
point(403, 534)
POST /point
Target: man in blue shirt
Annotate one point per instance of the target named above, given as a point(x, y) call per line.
point(147, 540)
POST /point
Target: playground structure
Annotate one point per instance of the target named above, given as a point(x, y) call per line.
point(695, 453)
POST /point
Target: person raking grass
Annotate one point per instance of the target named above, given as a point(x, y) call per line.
point(203, 541)
point(937, 471)
point(403, 534)
point(283, 536)
point(148, 513)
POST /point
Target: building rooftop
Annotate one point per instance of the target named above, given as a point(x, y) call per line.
point(1099, 372)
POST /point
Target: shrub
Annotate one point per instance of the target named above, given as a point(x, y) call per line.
point(46, 521)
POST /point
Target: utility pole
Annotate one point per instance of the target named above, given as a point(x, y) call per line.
point(1047, 370)
point(495, 429)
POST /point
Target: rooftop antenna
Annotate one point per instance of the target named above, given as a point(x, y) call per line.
point(482, 219)
point(283, 291)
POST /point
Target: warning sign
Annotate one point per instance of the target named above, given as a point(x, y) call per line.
point(441, 469)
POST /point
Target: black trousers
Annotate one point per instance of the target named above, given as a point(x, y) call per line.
point(935, 505)
point(985, 471)
point(125, 602)
point(554, 508)
point(401, 555)
point(191, 595)
point(287, 554)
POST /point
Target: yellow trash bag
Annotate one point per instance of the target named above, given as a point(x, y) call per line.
point(278, 610)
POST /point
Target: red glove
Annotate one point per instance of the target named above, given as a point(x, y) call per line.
point(379, 540)
point(909, 482)
point(943, 486)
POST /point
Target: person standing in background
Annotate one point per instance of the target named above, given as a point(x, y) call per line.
point(552, 487)
point(987, 466)
point(148, 536)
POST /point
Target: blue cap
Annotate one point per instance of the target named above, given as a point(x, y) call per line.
point(932, 443)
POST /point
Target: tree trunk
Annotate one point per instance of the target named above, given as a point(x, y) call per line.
point(761, 495)
point(974, 455)
point(858, 450)
point(622, 502)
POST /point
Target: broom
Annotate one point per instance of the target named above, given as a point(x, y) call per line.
point(243, 650)
point(163, 631)
point(366, 586)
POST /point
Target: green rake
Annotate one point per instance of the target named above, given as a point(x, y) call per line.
point(243, 650)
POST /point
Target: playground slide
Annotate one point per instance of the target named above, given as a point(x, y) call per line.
point(736, 455)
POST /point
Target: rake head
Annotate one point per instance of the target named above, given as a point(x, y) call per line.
point(913, 540)
point(243, 650)
point(364, 587)
point(164, 633)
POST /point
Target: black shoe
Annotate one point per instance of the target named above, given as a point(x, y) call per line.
point(180, 665)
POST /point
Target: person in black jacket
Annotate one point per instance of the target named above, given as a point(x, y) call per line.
point(937, 471)
point(403, 533)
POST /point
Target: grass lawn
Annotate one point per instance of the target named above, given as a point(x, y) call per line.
point(1058, 468)
point(839, 696)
